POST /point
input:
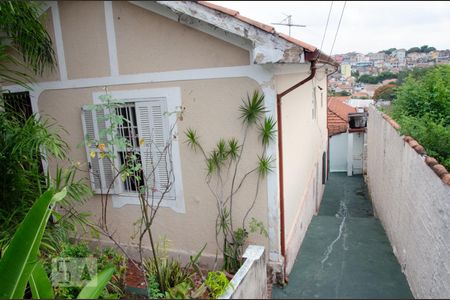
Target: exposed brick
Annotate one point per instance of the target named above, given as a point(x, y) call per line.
point(440, 170)
point(393, 124)
point(407, 138)
point(446, 179)
point(419, 149)
point(431, 161)
point(413, 143)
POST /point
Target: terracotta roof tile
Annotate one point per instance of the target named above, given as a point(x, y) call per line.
point(337, 105)
point(338, 115)
point(235, 13)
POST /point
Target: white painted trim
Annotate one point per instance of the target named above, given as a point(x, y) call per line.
point(273, 214)
point(349, 154)
point(59, 41)
point(256, 72)
point(172, 97)
point(111, 37)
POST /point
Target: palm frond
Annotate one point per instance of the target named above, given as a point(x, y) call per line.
point(253, 109)
point(20, 21)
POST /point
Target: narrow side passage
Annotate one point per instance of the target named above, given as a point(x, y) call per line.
point(345, 253)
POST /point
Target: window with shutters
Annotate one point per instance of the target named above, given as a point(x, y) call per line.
point(149, 127)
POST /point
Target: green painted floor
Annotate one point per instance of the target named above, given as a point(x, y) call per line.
point(345, 253)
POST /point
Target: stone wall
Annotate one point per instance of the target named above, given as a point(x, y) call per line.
point(411, 197)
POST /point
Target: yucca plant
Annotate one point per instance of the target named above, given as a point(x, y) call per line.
point(223, 164)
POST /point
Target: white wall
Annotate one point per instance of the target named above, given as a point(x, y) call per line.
point(338, 152)
point(305, 138)
point(413, 204)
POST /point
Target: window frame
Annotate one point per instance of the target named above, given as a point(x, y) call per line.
point(172, 98)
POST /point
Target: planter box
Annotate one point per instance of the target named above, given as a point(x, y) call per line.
point(250, 281)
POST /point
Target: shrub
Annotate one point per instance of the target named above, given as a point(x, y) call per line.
point(422, 108)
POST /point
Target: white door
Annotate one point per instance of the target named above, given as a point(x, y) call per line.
point(358, 147)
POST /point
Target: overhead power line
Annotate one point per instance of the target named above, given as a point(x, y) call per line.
point(326, 26)
point(337, 30)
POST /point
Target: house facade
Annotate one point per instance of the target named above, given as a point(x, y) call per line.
point(202, 60)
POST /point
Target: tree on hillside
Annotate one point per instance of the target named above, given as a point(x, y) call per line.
point(385, 92)
point(23, 36)
point(389, 51)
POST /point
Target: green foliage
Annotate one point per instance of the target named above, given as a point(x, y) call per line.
point(253, 109)
point(343, 93)
point(22, 142)
point(174, 277)
point(79, 250)
point(422, 108)
point(265, 165)
point(105, 259)
point(389, 51)
point(181, 291)
point(433, 136)
point(19, 259)
point(423, 49)
point(258, 226)
point(376, 79)
point(25, 36)
point(41, 287)
point(416, 73)
point(95, 287)
point(217, 283)
point(153, 287)
point(267, 131)
point(223, 165)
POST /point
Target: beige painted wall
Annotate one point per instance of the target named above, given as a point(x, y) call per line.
point(413, 205)
point(304, 141)
point(148, 42)
point(212, 109)
point(84, 37)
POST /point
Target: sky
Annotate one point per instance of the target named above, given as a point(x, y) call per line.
point(366, 26)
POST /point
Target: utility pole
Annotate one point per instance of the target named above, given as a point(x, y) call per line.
point(289, 23)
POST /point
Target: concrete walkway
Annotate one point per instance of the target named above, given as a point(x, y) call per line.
point(345, 253)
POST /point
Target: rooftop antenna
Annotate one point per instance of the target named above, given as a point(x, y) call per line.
point(288, 19)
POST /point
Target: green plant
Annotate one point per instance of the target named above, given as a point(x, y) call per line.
point(223, 165)
point(180, 291)
point(153, 287)
point(422, 108)
point(18, 261)
point(217, 283)
point(24, 36)
point(174, 277)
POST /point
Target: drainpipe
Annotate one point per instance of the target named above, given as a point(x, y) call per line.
point(280, 157)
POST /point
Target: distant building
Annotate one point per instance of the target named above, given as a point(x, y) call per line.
point(400, 54)
point(346, 70)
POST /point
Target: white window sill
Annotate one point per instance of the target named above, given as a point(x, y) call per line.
point(120, 200)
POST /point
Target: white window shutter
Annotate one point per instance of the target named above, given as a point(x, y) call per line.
point(156, 153)
point(100, 169)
